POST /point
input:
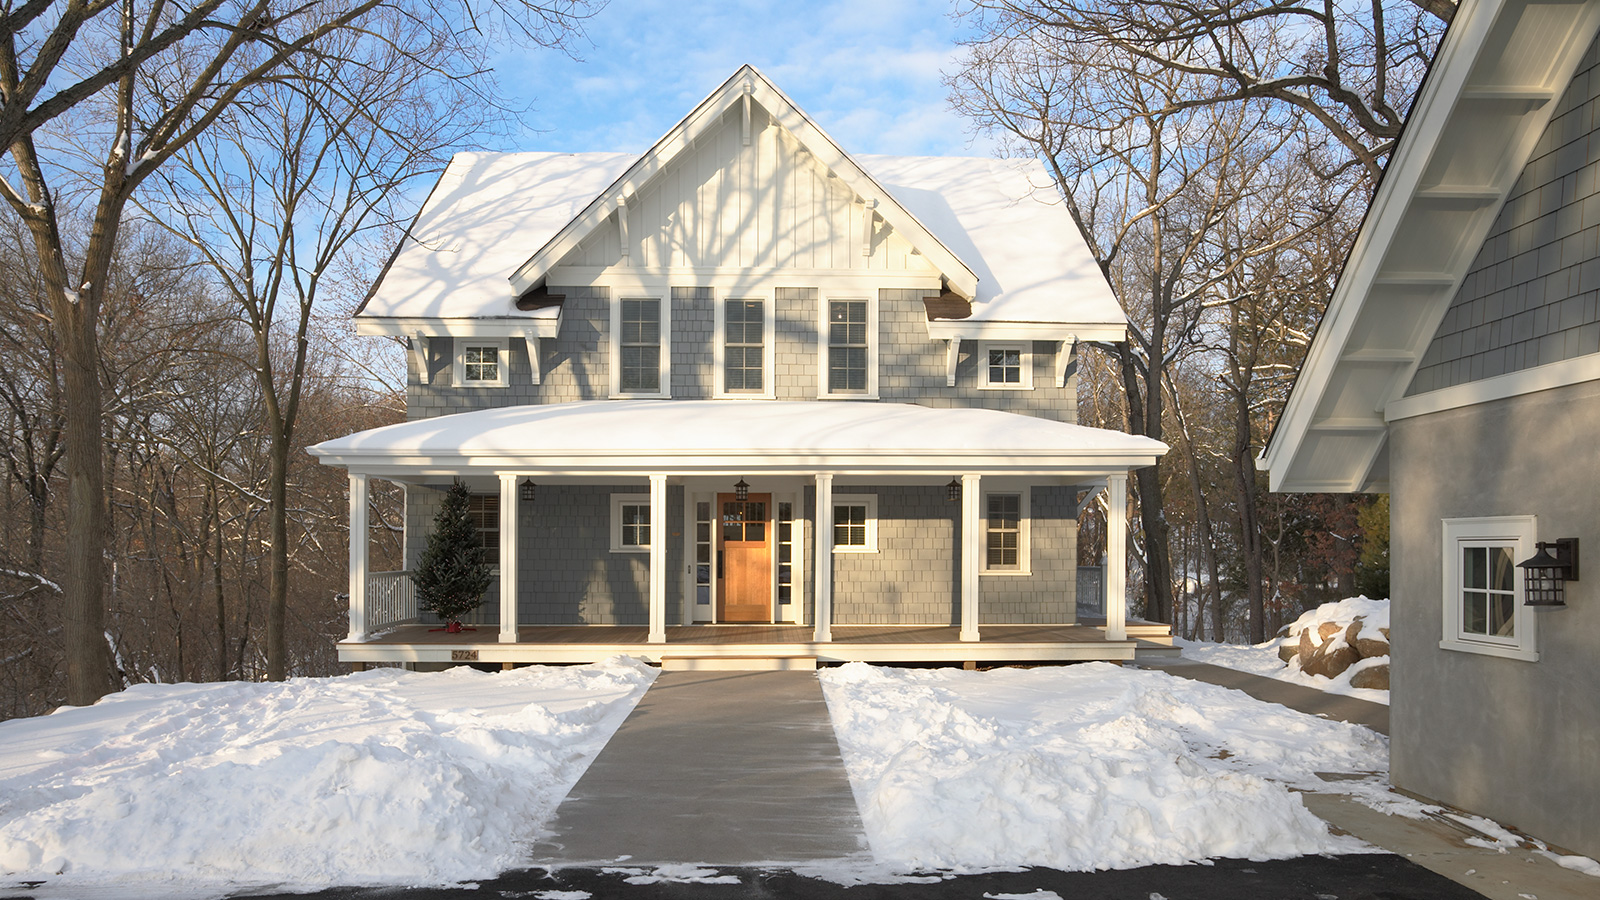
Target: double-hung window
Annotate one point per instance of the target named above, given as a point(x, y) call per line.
point(484, 510)
point(1483, 588)
point(640, 354)
point(630, 523)
point(745, 348)
point(1005, 533)
point(849, 351)
point(481, 362)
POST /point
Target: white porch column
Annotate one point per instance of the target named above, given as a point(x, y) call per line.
point(358, 557)
point(823, 576)
point(1117, 557)
point(508, 559)
point(971, 553)
point(658, 559)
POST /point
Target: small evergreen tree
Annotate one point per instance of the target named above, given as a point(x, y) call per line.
point(452, 573)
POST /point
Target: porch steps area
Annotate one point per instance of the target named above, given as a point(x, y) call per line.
point(761, 663)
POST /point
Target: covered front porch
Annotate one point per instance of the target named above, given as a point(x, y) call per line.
point(921, 482)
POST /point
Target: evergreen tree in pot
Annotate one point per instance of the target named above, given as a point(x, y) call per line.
point(452, 573)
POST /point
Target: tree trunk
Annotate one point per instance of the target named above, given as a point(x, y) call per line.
point(278, 558)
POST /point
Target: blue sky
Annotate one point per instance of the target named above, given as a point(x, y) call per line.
point(868, 71)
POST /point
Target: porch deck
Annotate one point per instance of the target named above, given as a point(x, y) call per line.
point(866, 643)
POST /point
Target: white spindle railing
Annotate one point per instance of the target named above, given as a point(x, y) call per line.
point(390, 600)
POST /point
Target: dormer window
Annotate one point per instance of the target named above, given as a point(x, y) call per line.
point(481, 362)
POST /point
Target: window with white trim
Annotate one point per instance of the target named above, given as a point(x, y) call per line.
point(484, 510)
point(744, 349)
point(1006, 529)
point(1483, 588)
point(855, 523)
point(630, 523)
point(639, 347)
point(849, 349)
point(481, 362)
point(1005, 366)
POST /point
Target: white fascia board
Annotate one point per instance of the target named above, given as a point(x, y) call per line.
point(969, 330)
point(1577, 370)
point(958, 274)
point(503, 326)
point(738, 279)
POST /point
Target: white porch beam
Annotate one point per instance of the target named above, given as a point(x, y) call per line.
point(358, 557)
point(1117, 557)
point(824, 568)
point(971, 534)
point(508, 559)
point(953, 353)
point(658, 559)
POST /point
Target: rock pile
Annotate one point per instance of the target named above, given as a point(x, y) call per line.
point(1322, 642)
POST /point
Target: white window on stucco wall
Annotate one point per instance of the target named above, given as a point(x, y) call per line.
point(1483, 588)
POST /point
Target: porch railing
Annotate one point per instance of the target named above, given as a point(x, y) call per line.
point(391, 600)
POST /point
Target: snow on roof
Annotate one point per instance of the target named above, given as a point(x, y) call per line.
point(477, 226)
point(489, 210)
point(641, 431)
point(1005, 219)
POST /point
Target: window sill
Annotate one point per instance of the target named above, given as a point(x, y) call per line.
point(865, 395)
point(630, 549)
point(1005, 387)
point(1005, 572)
point(1484, 649)
point(638, 395)
point(838, 550)
point(483, 384)
point(744, 395)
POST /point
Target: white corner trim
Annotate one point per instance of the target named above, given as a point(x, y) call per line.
point(1577, 370)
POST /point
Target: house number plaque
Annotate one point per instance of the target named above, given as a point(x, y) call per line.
point(463, 656)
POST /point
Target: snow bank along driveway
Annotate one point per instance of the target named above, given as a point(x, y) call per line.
point(1081, 767)
point(377, 777)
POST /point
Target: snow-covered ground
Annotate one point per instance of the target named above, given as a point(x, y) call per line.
point(378, 777)
point(1090, 766)
point(1262, 659)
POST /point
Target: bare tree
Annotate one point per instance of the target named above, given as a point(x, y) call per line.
point(97, 95)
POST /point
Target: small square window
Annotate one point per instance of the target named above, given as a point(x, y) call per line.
point(481, 362)
point(1005, 366)
point(1483, 588)
point(630, 523)
point(855, 523)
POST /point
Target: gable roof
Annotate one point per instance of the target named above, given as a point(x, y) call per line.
point(1494, 84)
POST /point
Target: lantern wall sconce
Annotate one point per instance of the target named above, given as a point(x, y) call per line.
point(527, 490)
point(952, 491)
point(1547, 572)
point(741, 491)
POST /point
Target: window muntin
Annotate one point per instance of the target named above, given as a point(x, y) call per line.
point(1003, 534)
point(630, 523)
point(639, 346)
point(744, 347)
point(702, 556)
point(1005, 366)
point(481, 362)
point(484, 510)
point(847, 346)
point(855, 523)
point(1483, 588)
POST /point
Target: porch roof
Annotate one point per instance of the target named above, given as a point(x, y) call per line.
point(727, 436)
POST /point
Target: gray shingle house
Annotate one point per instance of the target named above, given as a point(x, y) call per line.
point(1458, 369)
point(746, 395)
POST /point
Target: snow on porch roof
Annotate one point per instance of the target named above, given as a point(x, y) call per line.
point(1003, 218)
point(686, 436)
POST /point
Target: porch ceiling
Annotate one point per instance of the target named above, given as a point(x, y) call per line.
point(686, 437)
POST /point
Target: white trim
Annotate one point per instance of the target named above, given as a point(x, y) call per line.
point(1024, 532)
point(458, 361)
point(508, 558)
point(509, 326)
point(870, 501)
point(417, 343)
point(530, 339)
point(822, 576)
point(748, 279)
point(719, 344)
point(1578, 370)
point(1519, 531)
point(663, 298)
point(823, 335)
point(976, 329)
point(658, 561)
point(1117, 557)
point(971, 552)
point(358, 557)
point(797, 556)
point(1025, 355)
point(617, 502)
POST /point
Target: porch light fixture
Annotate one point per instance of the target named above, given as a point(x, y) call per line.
point(952, 491)
point(1548, 571)
point(527, 490)
point(741, 491)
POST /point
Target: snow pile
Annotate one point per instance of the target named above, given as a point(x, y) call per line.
point(377, 777)
point(1268, 659)
point(1082, 767)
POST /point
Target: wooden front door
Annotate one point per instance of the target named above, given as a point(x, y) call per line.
point(744, 558)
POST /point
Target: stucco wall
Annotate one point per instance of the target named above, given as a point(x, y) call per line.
point(1518, 742)
point(1532, 296)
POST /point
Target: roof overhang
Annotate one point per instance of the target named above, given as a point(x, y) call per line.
point(405, 326)
point(690, 437)
point(747, 81)
point(1497, 79)
point(1071, 332)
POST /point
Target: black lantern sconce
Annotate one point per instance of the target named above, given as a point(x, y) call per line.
point(1547, 572)
point(527, 490)
point(952, 491)
point(741, 491)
